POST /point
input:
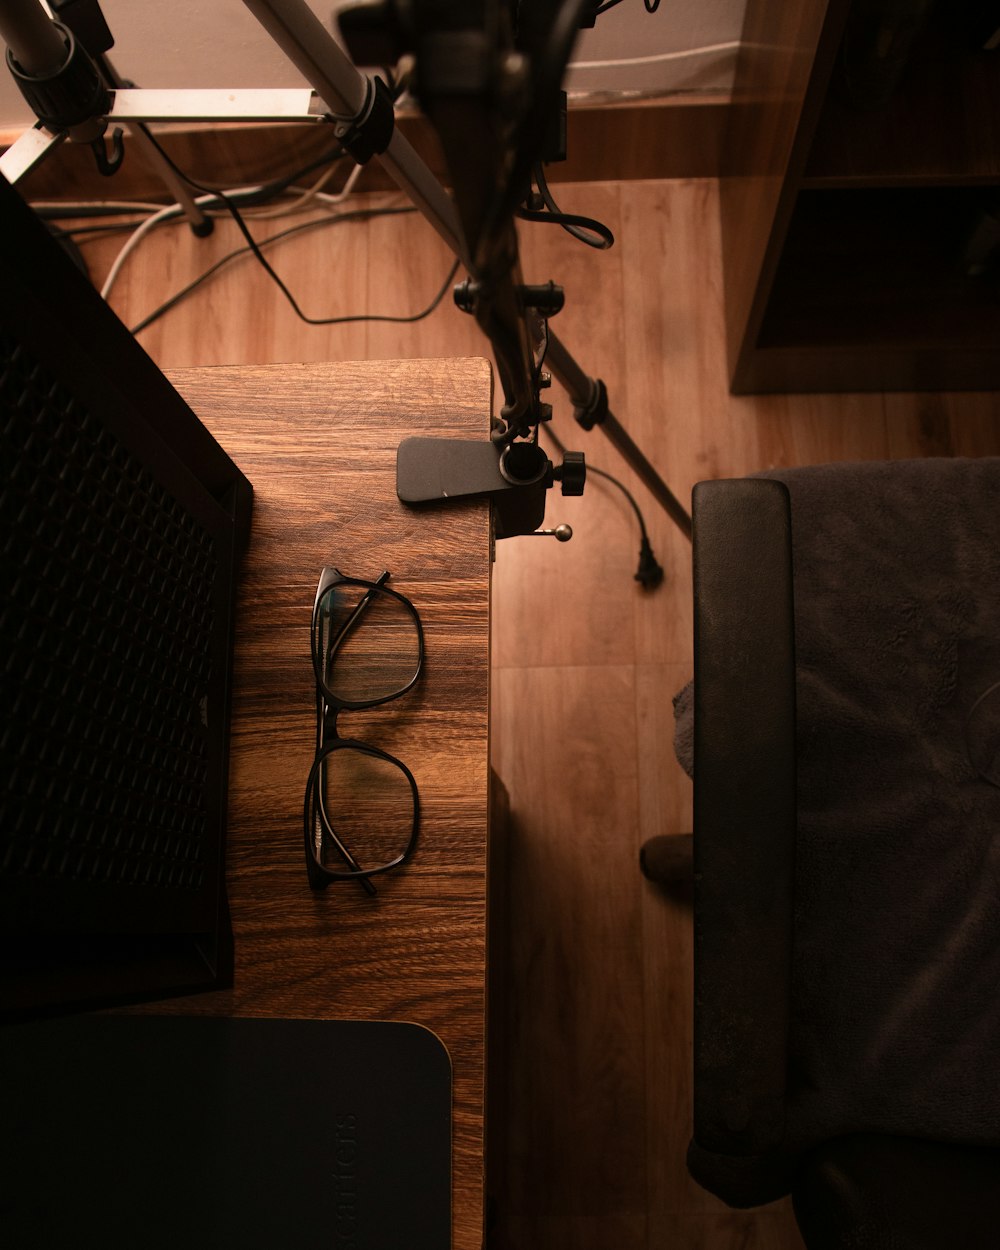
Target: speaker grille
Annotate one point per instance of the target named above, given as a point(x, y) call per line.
point(106, 630)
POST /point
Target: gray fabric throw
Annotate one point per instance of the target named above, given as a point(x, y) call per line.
point(896, 1024)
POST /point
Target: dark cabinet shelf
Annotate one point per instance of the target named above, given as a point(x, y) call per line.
point(939, 124)
point(861, 225)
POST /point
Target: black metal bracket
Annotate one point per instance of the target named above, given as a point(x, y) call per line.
point(545, 298)
point(516, 479)
point(432, 470)
point(369, 133)
point(594, 410)
point(109, 164)
point(70, 96)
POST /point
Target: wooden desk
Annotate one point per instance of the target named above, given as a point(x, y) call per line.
point(318, 443)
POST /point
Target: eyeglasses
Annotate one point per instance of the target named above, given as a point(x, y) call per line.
point(361, 806)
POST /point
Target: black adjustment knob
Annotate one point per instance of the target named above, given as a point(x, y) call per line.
point(70, 95)
point(572, 473)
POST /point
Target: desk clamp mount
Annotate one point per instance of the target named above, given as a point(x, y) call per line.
point(514, 474)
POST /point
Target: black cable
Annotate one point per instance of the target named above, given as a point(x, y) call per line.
point(192, 286)
point(262, 260)
point(251, 198)
point(626, 492)
point(651, 6)
point(179, 296)
point(269, 190)
point(549, 67)
point(118, 227)
point(587, 229)
point(255, 196)
point(650, 572)
point(572, 224)
point(56, 212)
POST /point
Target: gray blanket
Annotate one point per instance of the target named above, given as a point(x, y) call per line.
point(896, 1024)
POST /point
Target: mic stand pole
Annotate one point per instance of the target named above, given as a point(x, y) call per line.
point(589, 397)
point(347, 93)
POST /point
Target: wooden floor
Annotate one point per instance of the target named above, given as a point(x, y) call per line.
point(585, 662)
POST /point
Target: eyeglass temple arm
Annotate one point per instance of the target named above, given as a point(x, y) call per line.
point(321, 821)
point(326, 828)
point(355, 616)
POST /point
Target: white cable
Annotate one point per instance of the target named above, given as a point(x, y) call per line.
point(307, 194)
point(332, 200)
point(133, 241)
point(137, 236)
point(85, 205)
point(176, 210)
point(659, 56)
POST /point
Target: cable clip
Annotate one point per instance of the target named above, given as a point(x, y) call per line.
point(109, 164)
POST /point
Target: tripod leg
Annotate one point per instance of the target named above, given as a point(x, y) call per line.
point(199, 222)
point(590, 400)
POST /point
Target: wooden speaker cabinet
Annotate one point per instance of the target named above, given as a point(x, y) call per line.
point(861, 207)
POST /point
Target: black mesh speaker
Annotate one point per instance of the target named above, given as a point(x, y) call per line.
point(121, 522)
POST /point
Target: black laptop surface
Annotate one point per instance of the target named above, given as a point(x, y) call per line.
point(192, 1132)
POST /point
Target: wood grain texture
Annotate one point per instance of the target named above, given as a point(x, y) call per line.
point(593, 951)
point(318, 443)
point(576, 941)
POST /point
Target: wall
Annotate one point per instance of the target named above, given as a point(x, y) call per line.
point(188, 43)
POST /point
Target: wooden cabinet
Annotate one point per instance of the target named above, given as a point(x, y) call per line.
point(861, 210)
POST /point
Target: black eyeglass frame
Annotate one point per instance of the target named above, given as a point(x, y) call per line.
point(328, 706)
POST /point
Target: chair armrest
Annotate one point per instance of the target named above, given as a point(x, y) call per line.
point(744, 813)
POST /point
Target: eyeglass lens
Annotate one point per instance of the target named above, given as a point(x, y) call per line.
point(368, 642)
point(368, 803)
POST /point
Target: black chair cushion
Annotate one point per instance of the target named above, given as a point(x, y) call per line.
point(893, 1017)
point(895, 1023)
point(866, 1192)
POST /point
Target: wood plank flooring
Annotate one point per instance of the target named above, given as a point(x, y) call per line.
point(597, 1113)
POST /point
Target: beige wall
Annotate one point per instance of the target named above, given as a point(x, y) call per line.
point(218, 43)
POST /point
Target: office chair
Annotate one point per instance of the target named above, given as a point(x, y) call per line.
point(844, 729)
